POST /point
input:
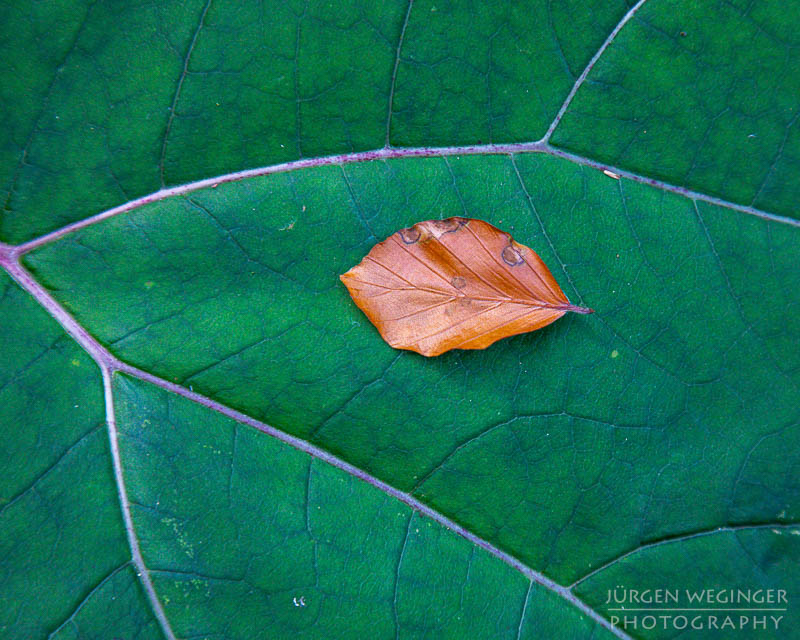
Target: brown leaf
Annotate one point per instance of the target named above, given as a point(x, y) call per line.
point(459, 283)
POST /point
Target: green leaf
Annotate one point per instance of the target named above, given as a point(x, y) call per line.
point(719, 117)
point(66, 567)
point(216, 443)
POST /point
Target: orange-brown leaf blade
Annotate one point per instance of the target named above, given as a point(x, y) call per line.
point(459, 283)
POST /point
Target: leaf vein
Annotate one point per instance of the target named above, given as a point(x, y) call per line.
point(509, 149)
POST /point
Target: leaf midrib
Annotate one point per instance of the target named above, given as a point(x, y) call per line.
point(455, 294)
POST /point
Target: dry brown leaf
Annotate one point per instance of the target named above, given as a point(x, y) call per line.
point(459, 283)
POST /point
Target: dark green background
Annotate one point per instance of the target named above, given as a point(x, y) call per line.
point(619, 441)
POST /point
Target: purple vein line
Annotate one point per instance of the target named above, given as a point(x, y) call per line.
point(776, 526)
point(177, 95)
point(405, 498)
point(394, 72)
point(125, 505)
point(579, 82)
point(110, 364)
point(387, 154)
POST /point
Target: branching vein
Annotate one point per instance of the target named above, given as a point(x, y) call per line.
point(625, 19)
point(387, 154)
point(111, 365)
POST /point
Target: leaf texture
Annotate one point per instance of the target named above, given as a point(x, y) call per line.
point(458, 283)
point(638, 449)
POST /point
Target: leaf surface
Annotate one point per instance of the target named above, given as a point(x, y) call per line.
point(457, 283)
point(217, 444)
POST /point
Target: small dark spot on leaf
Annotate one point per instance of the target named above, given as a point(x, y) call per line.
point(512, 257)
point(410, 235)
point(448, 225)
point(683, 34)
point(459, 282)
